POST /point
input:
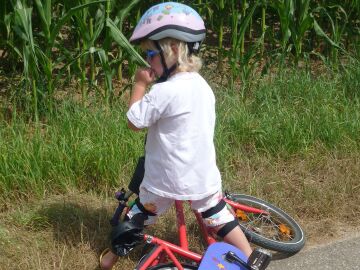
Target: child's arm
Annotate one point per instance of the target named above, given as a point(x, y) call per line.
point(143, 78)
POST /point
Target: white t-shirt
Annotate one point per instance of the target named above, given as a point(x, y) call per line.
point(180, 160)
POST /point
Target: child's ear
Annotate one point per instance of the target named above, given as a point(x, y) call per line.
point(175, 48)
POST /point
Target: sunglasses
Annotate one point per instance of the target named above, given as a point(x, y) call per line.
point(150, 54)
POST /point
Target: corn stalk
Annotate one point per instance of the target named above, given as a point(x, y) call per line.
point(285, 10)
point(302, 21)
point(36, 54)
point(119, 20)
point(337, 30)
point(28, 51)
point(263, 25)
point(236, 54)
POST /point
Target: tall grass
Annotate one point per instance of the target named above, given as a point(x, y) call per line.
point(89, 149)
point(92, 149)
point(292, 113)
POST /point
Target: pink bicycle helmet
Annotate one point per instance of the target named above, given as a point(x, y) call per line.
point(170, 19)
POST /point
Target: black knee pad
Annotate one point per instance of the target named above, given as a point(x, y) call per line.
point(214, 210)
point(228, 227)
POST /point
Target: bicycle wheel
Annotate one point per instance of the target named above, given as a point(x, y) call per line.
point(171, 266)
point(275, 231)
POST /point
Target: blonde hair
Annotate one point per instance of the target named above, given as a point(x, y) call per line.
point(186, 62)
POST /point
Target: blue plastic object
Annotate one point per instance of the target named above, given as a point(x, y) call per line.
point(214, 258)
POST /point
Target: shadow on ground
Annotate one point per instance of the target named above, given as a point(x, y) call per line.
point(75, 223)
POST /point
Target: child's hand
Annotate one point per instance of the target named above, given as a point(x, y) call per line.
point(144, 76)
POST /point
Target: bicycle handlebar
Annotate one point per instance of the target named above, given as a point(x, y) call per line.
point(122, 196)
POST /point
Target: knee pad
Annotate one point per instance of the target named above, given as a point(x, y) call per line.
point(214, 210)
point(229, 225)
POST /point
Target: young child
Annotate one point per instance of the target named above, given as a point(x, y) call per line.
point(179, 113)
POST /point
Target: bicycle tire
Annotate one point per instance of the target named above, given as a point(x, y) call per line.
point(171, 266)
point(291, 242)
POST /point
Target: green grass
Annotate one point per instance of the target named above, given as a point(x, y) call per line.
point(294, 140)
point(292, 113)
point(291, 140)
point(92, 148)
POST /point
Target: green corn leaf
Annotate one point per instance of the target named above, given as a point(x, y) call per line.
point(45, 15)
point(55, 31)
point(23, 28)
point(304, 12)
point(336, 31)
point(83, 29)
point(15, 49)
point(124, 43)
point(7, 22)
point(22, 24)
point(305, 25)
point(99, 25)
point(44, 60)
point(320, 32)
point(108, 73)
point(285, 10)
point(245, 23)
point(91, 50)
point(124, 12)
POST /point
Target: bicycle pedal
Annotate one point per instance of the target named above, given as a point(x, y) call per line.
point(259, 259)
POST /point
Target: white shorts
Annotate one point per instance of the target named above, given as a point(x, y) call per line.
point(158, 205)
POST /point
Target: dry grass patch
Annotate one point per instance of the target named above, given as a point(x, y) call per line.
point(320, 190)
point(70, 231)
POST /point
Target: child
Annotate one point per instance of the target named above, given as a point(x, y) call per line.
point(179, 112)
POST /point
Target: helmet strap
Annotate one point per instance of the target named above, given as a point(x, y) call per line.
point(166, 71)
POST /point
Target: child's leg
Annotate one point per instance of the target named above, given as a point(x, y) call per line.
point(218, 217)
point(237, 238)
point(149, 204)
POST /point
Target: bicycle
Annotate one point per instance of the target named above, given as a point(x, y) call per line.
point(264, 225)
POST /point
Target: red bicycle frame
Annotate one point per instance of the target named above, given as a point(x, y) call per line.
point(165, 251)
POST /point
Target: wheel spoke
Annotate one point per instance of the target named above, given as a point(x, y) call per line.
point(267, 226)
point(274, 230)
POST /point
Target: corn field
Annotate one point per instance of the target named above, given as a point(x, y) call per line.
point(46, 44)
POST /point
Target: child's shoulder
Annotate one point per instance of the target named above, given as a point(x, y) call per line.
point(180, 82)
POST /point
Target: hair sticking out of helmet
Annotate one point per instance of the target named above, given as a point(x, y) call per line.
point(171, 20)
